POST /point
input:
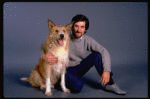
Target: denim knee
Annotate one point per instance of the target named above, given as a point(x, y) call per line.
point(74, 83)
point(96, 54)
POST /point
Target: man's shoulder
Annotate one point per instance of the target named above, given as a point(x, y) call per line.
point(87, 37)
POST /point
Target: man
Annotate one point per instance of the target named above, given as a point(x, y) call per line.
point(78, 64)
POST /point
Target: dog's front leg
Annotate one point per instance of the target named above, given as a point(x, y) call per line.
point(48, 82)
point(63, 82)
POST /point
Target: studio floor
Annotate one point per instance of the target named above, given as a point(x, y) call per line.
point(133, 79)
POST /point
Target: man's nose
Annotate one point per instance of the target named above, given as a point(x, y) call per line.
point(79, 29)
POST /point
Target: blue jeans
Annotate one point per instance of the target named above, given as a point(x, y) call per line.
point(74, 74)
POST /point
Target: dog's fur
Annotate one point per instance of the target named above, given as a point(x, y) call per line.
point(45, 75)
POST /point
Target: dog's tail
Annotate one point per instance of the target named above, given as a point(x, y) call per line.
point(24, 79)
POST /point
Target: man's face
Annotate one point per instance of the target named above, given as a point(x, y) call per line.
point(79, 29)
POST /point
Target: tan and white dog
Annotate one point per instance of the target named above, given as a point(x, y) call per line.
point(45, 75)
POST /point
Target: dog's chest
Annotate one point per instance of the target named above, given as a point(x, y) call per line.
point(62, 61)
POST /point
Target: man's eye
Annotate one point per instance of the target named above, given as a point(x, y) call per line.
point(76, 26)
point(82, 27)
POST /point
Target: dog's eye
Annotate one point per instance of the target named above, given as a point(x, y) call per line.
point(56, 30)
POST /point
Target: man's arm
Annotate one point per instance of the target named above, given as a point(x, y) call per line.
point(94, 46)
point(49, 57)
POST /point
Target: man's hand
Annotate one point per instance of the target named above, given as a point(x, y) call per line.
point(105, 77)
point(50, 58)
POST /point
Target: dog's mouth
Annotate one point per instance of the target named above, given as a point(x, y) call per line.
point(60, 42)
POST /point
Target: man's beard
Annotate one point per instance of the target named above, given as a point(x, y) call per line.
point(78, 36)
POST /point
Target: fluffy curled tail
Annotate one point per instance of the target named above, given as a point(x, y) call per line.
point(24, 79)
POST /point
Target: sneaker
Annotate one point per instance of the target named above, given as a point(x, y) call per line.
point(115, 88)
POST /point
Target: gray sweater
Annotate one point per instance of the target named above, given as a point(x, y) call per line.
point(78, 48)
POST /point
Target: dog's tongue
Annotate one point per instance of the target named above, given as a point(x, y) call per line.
point(60, 42)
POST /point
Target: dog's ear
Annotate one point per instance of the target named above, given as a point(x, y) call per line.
point(50, 24)
point(69, 26)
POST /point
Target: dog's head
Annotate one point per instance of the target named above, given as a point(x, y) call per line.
point(59, 34)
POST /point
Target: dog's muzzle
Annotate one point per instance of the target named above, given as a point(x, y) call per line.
point(61, 38)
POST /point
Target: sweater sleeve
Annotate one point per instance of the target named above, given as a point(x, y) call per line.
point(41, 51)
point(92, 46)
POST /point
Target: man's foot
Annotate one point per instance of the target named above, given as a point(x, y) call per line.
point(115, 88)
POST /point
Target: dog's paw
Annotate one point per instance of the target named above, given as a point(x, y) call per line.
point(48, 93)
point(67, 91)
point(42, 87)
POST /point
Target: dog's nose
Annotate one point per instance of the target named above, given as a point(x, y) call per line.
point(61, 35)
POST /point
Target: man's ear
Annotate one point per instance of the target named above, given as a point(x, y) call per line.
point(50, 24)
point(69, 26)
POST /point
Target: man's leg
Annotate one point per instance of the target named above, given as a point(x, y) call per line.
point(94, 59)
point(73, 81)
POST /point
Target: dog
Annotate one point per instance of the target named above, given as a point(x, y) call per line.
point(45, 75)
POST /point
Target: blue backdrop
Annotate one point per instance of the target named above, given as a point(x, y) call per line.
point(121, 27)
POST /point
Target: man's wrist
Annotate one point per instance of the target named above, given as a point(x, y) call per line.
point(107, 71)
